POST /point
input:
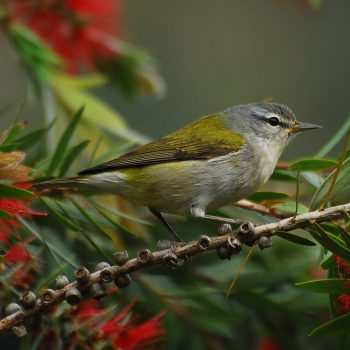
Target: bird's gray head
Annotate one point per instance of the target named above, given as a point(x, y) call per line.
point(266, 122)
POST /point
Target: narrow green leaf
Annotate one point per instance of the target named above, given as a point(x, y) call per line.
point(331, 242)
point(31, 139)
point(341, 183)
point(334, 328)
point(70, 156)
point(289, 207)
point(13, 133)
point(267, 196)
point(332, 285)
point(63, 143)
point(7, 191)
point(313, 164)
point(295, 238)
point(334, 140)
point(287, 176)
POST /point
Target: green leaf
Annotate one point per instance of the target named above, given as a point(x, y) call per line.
point(97, 113)
point(341, 183)
point(7, 191)
point(285, 175)
point(71, 155)
point(335, 139)
point(26, 141)
point(289, 207)
point(267, 196)
point(63, 143)
point(4, 214)
point(331, 242)
point(313, 164)
point(332, 285)
point(295, 238)
point(334, 328)
point(13, 133)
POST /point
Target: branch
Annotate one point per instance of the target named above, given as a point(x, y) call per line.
point(173, 256)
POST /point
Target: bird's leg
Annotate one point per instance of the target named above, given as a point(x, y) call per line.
point(200, 213)
point(161, 218)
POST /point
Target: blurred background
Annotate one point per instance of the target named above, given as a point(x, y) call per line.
point(216, 54)
point(209, 55)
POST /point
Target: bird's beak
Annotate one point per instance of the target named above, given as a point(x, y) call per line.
point(299, 126)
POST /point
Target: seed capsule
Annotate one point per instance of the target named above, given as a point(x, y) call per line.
point(102, 265)
point(204, 242)
point(82, 275)
point(28, 300)
point(224, 253)
point(19, 331)
point(234, 244)
point(47, 296)
point(98, 291)
point(122, 281)
point(12, 308)
point(120, 258)
point(61, 281)
point(107, 274)
point(73, 296)
point(265, 242)
point(144, 256)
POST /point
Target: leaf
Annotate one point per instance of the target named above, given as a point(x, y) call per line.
point(7, 191)
point(331, 242)
point(313, 164)
point(71, 155)
point(283, 176)
point(289, 207)
point(267, 196)
point(331, 285)
point(334, 140)
point(341, 183)
point(97, 113)
point(63, 143)
point(334, 328)
point(13, 132)
point(295, 238)
point(30, 139)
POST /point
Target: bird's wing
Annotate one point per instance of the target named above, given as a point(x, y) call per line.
point(204, 139)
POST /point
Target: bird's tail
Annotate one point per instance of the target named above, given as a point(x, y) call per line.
point(57, 187)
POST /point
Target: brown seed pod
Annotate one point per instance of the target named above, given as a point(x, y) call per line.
point(98, 291)
point(61, 281)
point(82, 275)
point(73, 296)
point(28, 299)
point(120, 258)
point(122, 281)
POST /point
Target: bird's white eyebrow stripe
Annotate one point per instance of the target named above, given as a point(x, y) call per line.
point(264, 118)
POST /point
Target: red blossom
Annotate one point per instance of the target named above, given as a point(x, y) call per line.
point(17, 254)
point(342, 266)
point(342, 304)
point(72, 28)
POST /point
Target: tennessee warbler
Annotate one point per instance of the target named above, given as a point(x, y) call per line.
point(206, 165)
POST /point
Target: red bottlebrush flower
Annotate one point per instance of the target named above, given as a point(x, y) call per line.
point(72, 28)
point(15, 208)
point(342, 304)
point(17, 254)
point(342, 266)
point(268, 344)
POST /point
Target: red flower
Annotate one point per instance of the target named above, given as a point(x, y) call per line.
point(342, 304)
point(14, 208)
point(77, 30)
point(342, 266)
point(17, 254)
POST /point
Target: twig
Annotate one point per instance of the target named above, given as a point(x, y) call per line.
point(174, 255)
point(261, 209)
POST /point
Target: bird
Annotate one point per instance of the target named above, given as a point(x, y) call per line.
point(208, 164)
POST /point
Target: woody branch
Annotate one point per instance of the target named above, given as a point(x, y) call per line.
point(174, 255)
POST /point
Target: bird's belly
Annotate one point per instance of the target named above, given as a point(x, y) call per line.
point(177, 187)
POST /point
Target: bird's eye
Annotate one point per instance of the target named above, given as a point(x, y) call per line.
point(273, 121)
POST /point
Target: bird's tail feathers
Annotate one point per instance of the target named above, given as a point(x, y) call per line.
point(57, 187)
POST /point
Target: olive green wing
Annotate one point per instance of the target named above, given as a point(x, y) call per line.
point(204, 139)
